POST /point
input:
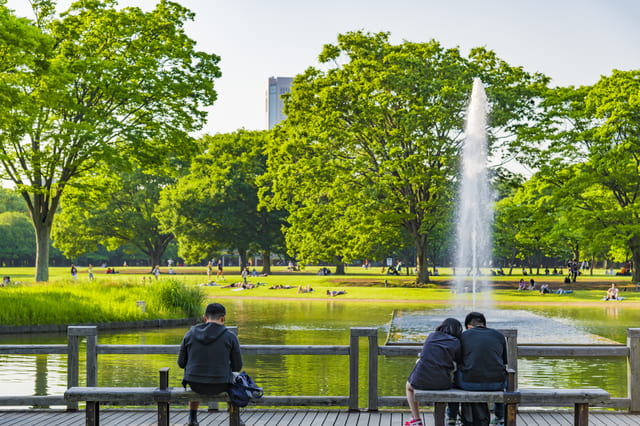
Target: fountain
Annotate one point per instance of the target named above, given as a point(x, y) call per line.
point(475, 213)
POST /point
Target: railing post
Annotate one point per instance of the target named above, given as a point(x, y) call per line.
point(512, 351)
point(633, 369)
point(353, 369)
point(92, 356)
point(354, 358)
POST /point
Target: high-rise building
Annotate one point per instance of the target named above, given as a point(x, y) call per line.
point(276, 87)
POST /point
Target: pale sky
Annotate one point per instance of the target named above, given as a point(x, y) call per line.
point(574, 41)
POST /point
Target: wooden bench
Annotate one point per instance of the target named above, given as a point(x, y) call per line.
point(163, 396)
point(580, 398)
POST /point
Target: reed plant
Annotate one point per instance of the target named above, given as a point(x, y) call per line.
point(67, 302)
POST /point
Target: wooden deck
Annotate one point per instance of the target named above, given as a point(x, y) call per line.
point(286, 418)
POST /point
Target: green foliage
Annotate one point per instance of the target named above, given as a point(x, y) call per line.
point(371, 146)
point(174, 295)
point(16, 239)
point(113, 205)
point(94, 84)
point(215, 206)
point(586, 147)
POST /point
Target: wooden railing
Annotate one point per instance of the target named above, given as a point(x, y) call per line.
point(631, 352)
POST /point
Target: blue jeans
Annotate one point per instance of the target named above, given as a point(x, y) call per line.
point(498, 408)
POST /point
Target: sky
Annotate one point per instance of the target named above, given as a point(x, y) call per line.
point(574, 42)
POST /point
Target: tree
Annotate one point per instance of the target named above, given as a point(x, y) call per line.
point(371, 145)
point(93, 83)
point(16, 239)
point(215, 206)
point(594, 132)
point(114, 206)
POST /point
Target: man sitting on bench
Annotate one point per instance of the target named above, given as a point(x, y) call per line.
point(209, 354)
point(484, 360)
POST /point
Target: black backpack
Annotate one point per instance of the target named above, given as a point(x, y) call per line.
point(243, 390)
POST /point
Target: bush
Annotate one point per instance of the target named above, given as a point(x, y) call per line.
point(173, 295)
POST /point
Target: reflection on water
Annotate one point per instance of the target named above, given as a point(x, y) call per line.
point(328, 323)
point(414, 326)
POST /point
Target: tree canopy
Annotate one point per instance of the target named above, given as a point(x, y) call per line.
point(215, 206)
point(370, 145)
point(91, 84)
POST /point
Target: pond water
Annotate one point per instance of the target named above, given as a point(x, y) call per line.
point(300, 322)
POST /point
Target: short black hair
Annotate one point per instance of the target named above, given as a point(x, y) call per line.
point(475, 319)
point(215, 311)
point(451, 326)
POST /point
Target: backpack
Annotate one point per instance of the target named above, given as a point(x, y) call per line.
point(243, 390)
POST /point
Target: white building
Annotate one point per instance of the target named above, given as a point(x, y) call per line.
point(276, 87)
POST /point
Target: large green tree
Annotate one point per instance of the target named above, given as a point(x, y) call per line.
point(215, 206)
point(114, 206)
point(90, 84)
point(371, 142)
point(591, 154)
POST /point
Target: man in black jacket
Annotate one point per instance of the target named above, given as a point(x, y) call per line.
point(209, 354)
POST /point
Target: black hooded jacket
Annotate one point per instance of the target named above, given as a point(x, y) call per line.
point(209, 353)
point(438, 359)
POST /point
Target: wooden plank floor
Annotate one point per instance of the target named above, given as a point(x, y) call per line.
point(110, 417)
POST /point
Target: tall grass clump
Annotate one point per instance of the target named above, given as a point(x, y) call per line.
point(173, 294)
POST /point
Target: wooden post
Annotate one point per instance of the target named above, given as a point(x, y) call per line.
point(92, 356)
point(581, 415)
point(163, 406)
point(353, 370)
point(633, 369)
point(92, 415)
point(73, 362)
point(439, 410)
point(373, 370)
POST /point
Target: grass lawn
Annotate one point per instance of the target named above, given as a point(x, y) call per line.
point(359, 284)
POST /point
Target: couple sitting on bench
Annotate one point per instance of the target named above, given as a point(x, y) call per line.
point(480, 354)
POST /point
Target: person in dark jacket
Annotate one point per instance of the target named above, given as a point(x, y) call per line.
point(434, 369)
point(209, 354)
point(484, 361)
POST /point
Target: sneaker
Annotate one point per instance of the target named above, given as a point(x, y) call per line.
point(498, 421)
point(413, 422)
point(451, 422)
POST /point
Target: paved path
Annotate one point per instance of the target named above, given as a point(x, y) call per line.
point(285, 418)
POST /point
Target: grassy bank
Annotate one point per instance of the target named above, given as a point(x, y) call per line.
point(84, 302)
point(113, 297)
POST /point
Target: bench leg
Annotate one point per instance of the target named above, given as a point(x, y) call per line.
point(163, 414)
point(510, 414)
point(92, 413)
point(581, 415)
point(234, 415)
point(439, 408)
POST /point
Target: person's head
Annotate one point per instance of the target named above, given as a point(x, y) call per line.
point(451, 326)
point(475, 319)
point(215, 312)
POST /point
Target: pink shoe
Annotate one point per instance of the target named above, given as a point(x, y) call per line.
point(413, 422)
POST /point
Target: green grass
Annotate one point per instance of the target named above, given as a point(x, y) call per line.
point(113, 297)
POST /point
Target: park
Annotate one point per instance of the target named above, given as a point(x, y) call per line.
point(407, 182)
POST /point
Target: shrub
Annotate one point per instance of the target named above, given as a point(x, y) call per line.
point(173, 295)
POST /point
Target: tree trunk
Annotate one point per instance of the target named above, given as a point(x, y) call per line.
point(243, 259)
point(339, 266)
point(421, 259)
point(266, 261)
point(43, 232)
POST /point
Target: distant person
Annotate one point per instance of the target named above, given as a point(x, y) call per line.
point(522, 285)
point(209, 354)
point(220, 271)
point(209, 270)
point(440, 353)
point(244, 274)
point(6, 280)
point(156, 271)
point(90, 271)
point(532, 284)
point(74, 272)
point(612, 293)
point(544, 289)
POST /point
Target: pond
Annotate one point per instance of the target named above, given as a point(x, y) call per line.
point(301, 322)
